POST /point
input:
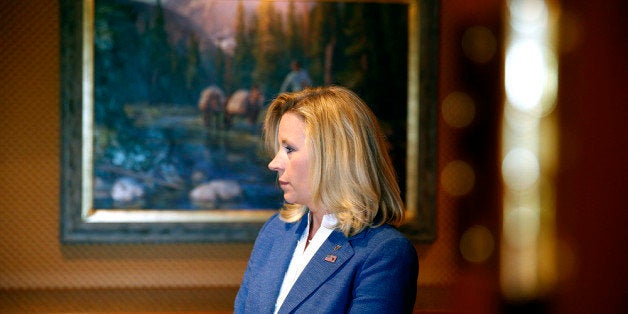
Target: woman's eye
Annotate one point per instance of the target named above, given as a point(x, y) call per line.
point(289, 149)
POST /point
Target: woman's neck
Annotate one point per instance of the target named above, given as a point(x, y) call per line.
point(315, 223)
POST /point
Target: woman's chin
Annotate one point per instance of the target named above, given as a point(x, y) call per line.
point(289, 200)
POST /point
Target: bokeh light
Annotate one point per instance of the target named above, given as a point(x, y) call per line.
point(520, 169)
point(528, 139)
point(528, 16)
point(457, 178)
point(477, 244)
point(521, 227)
point(479, 44)
point(458, 110)
point(526, 75)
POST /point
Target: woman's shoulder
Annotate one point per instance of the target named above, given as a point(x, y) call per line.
point(275, 225)
point(383, 232)
point(384, 246)
point(273, 220)
point(385, 236)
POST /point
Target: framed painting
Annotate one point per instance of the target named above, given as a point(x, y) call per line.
point(162, 103)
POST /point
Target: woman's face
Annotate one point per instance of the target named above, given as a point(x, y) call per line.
point(292, 161)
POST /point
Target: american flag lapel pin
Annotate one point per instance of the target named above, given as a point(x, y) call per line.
point(331, 257)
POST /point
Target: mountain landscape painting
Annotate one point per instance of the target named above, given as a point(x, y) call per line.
point(181, 86)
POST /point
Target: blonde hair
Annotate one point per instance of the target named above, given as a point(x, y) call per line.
point(351, 171)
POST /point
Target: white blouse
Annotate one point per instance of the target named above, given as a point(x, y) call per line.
point(302, 255)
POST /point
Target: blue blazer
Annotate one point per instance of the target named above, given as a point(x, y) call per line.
point(374, 271)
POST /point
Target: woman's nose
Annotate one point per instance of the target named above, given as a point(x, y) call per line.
point(275, 164)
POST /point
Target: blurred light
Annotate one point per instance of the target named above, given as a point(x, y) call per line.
point(457, 178)
point(529, 140)
point(520, 122)
point(458, 109)
point(548, 102)
point(521, 227)
point(477, 244)
point(526, 75)
point(528, 16)
point(520, 169)
point(479, 44)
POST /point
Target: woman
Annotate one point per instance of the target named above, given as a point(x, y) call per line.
point(332, 248)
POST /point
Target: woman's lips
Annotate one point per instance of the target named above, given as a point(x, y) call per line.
point(283, 183)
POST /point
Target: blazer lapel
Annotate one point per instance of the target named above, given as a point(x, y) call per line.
point(279, 255)
point(334, 252)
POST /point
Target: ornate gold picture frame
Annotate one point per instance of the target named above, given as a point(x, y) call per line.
point(96, 159)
